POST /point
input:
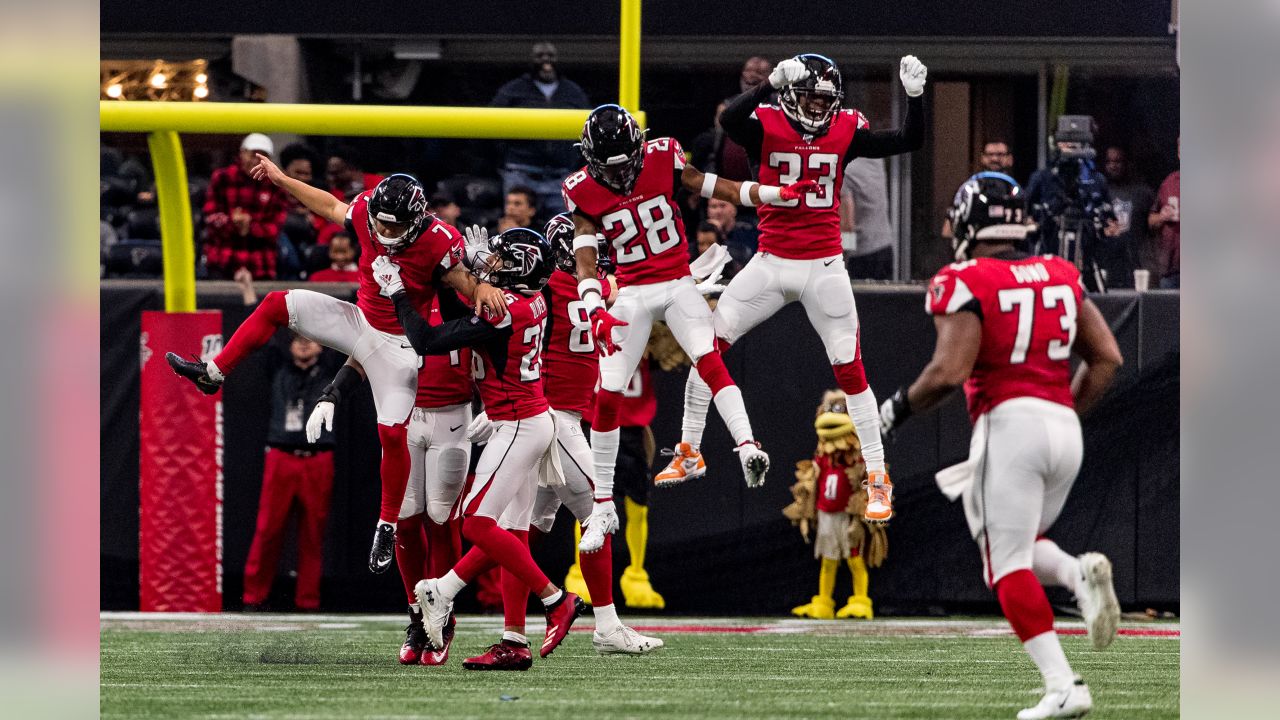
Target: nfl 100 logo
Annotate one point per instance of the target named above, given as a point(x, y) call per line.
point(210, 346)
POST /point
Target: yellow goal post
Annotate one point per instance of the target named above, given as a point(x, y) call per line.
point(164, 120)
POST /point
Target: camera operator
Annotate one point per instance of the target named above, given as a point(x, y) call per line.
point(1071, 204)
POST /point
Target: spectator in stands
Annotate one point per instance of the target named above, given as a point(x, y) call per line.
point(1131, 201)
point(709, 234)
point(301, 226)
point(864, 220)
point(346, 174)
point(754, 70)
point(995, 157)
point(443, 206)
point(342, 261)
point(740, 237)
point(1165, 220)
point(243, 217)
point(294, 469)
point(520, 210)
point(540, 164)
point(714, 152)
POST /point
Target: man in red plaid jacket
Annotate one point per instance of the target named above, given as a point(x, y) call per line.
point(243, 217)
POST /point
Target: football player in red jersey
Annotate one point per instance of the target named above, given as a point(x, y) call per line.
point(501, 498)
point(808, 136)
point(569, 372)
point(427, 538)
point(1007, 324)
point(390, 220)
point(626, 192)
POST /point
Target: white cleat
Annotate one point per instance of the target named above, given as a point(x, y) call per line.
point(1072, 701)
point(622, 640)
point(603, 521)
point(1096, 596)
point(755, 463)
point(435, 610)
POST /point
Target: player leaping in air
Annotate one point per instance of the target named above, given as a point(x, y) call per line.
point(390, 220)
point(627, 192)
point(1007, 324)
point(807, 137)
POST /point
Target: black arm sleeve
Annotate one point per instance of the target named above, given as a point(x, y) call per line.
point(737, 122)
point(347, 379)
point(443, 338)
point(883, 143)
point(451, 306)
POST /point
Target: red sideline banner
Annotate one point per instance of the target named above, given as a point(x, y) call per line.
point(180, 463)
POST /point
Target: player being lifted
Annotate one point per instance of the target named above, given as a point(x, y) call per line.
point(627, 192)
point(391, 220)
point(808, 136)
point(1007, 324)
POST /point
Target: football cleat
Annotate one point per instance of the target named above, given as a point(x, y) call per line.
point(560, 618)
point(879, 497)
point(638, 592)
point(194, 370)
point(622, 640)
point(384, 548)
point(431, 656)
point(603, 521)
point(505, 655)
point(436, 610)
point(1072, 701)
point(755, 463)
point(415, 640)
point(1096, 597)
point(686, 464)
point(819, 607)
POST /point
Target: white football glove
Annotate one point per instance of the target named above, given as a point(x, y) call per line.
point(912, 72)
point(603, 521)
point(707, 289)
point(786, 72)
point(321, 419)
point(387, 274)
point(480, 429)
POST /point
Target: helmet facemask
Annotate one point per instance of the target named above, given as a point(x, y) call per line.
point(811, 103)
point(613, 148)
point(512, 264)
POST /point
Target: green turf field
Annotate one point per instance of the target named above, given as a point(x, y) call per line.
point(344, 667)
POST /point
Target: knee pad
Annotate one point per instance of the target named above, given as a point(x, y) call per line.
point(608, 408)
point(451, 475)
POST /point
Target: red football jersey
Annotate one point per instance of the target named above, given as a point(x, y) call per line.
point(639, 404)
point(808, 227)
point(510, 376)
point(1028, 308)
point(439, 246)
point(444, 380)
point(645, 227)
point(570, 366)
point(834, 487)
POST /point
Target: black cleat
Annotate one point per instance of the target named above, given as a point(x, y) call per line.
point(384, 548)
point(195, 371)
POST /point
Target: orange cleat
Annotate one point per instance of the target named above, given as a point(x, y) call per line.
point(879, 497)
point(686, 464)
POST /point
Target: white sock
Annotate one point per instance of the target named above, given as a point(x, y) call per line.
point(1046, 653)
point(553, 598)
point(450, 585)
point(604, 454)
point(866, 420)
point(1053, 566)
point(697, 400)
point(734, 413)
point(213, 372)
point(606, 618)
point(515, 637)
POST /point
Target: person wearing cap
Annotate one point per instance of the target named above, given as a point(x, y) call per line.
point(243, 217)
point(540, 164)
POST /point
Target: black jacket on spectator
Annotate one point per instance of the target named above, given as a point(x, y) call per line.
point(524, 93)
point(294, 393)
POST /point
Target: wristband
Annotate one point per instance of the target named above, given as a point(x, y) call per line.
point(585, 241)
point(709, 184)
point(770, 194)
point(346, 379)
point(591, 294)
point(744, 194)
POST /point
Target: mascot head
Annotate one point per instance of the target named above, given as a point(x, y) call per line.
point(833, 421)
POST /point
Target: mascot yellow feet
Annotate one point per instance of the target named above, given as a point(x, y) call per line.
point(637, 591)
point(859, 606)
point(574, 583)
point(818, 608)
